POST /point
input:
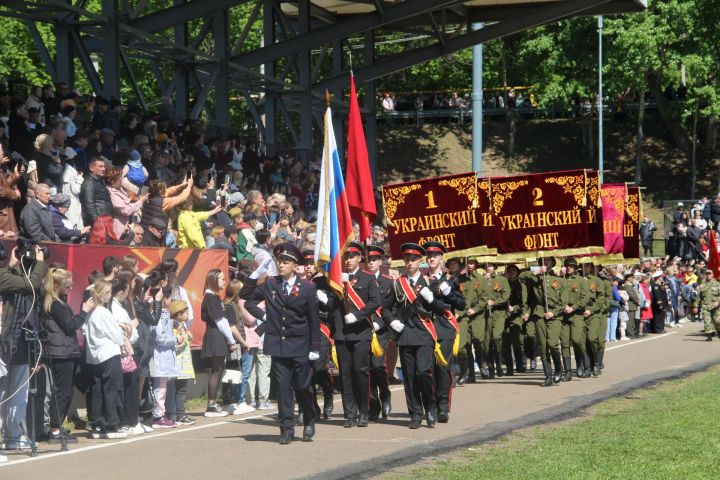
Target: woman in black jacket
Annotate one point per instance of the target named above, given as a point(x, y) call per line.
point(61, 346)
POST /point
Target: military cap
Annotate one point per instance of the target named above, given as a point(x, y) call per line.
point(434, 248)
point(375, 253)
point(354, 248)
point(289, 251)
point(309, 255)
point(412, 249)
point(571, 262)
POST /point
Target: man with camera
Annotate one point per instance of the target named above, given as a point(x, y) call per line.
point(20, 284)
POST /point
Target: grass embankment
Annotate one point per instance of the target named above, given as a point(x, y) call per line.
point(670, 431)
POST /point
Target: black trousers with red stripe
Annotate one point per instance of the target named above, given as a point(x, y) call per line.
point(354, 359)
point(417, 364)
point(444, 376)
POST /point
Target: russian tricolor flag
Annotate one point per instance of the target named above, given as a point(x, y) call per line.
point(334, 225)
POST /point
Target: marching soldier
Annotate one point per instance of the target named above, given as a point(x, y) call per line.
point(379, 390)
point(546, 305)
point(292, 335)
point(606, 296)
point(517, 308)
point(467, 287)
point(415, 307)
point(593, 312)
point(473, 290)
point(446, 325)
point(573, 326)
point(709, 302)
point(353, 333)
point(497, 294)
point(328, 303)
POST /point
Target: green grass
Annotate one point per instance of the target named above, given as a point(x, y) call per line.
point(671, 431)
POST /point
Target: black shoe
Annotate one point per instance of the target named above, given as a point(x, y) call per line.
point(548, 382)
point(533, 364)
point(557, 376)
point(500, 371)
point(327, 409)
point(363, 420)
point(521, 369)
point(415, 423)
point(709, 337)
point(462, 380)
point(566, 367)
point(373, 416)
point(443, 417)
point(286, 437)
point(57, 437)
point(386, 408)
point(308, 433)
point(471, 380)
point(394, 381)
point(547, 370)
point(350, 422)
point(485, 371)
point(431, 419)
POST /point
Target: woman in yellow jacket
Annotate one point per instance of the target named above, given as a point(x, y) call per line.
point(190, 233)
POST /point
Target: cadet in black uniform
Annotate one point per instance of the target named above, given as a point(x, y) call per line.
point(415, 307)
point(292, 335)
point(445, 288)
point(328, 303)
point(379, 390)
point(352, 333)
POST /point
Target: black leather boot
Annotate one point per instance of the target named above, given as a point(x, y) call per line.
point(599, 356)
point(557, 377)
point(566, 366)
point(547, 369)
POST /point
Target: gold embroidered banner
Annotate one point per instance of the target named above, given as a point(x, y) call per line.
point(631, 229)
point(443, 209)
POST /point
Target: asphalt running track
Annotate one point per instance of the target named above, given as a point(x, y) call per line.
point(247, 446)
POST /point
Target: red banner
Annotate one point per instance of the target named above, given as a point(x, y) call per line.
point(545, 211)
point(442, 209)
point(613, 211)
point(82, 260)
point(631, 229)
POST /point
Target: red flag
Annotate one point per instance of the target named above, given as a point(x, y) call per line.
point(714, 256)
point(358, 181)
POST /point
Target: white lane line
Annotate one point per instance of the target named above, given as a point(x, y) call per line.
point(225, 422)
point(635, 342)
point(148, 437)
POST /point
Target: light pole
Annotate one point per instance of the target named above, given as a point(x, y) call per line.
point(477, 104)
point(601, 159)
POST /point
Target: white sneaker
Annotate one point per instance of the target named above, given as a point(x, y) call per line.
point(146, 429)
point(3, 459)
point(136, 430)
point(23, 443)
point(242, 409)
point(266, 406)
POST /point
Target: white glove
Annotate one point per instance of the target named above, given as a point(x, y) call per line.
point(350, 319)
point(397, 325)
point(322, 296)
point(376, 326)
point(312, 356)
point(445, 288)
point(427, 294)
point(261, 270)
point(344, 277)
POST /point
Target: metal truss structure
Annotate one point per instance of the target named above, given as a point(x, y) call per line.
point(204, 61)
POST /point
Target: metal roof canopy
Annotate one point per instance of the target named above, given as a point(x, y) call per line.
point(305, 48)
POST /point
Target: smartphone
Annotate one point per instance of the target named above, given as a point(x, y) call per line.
point(144, 190)
point(86, 295)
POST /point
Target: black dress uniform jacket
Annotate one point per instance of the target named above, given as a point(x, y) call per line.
point(455, 301)
point(292, 326)
point(408, 313)
point(366, 287)
point(387, 300)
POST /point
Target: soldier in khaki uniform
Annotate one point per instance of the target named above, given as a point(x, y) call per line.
point(517, 308)
point(575, 299)
point(593, 312)
point(469, 283)
point(709, 302)
point(497, 291)
point(546, 300)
